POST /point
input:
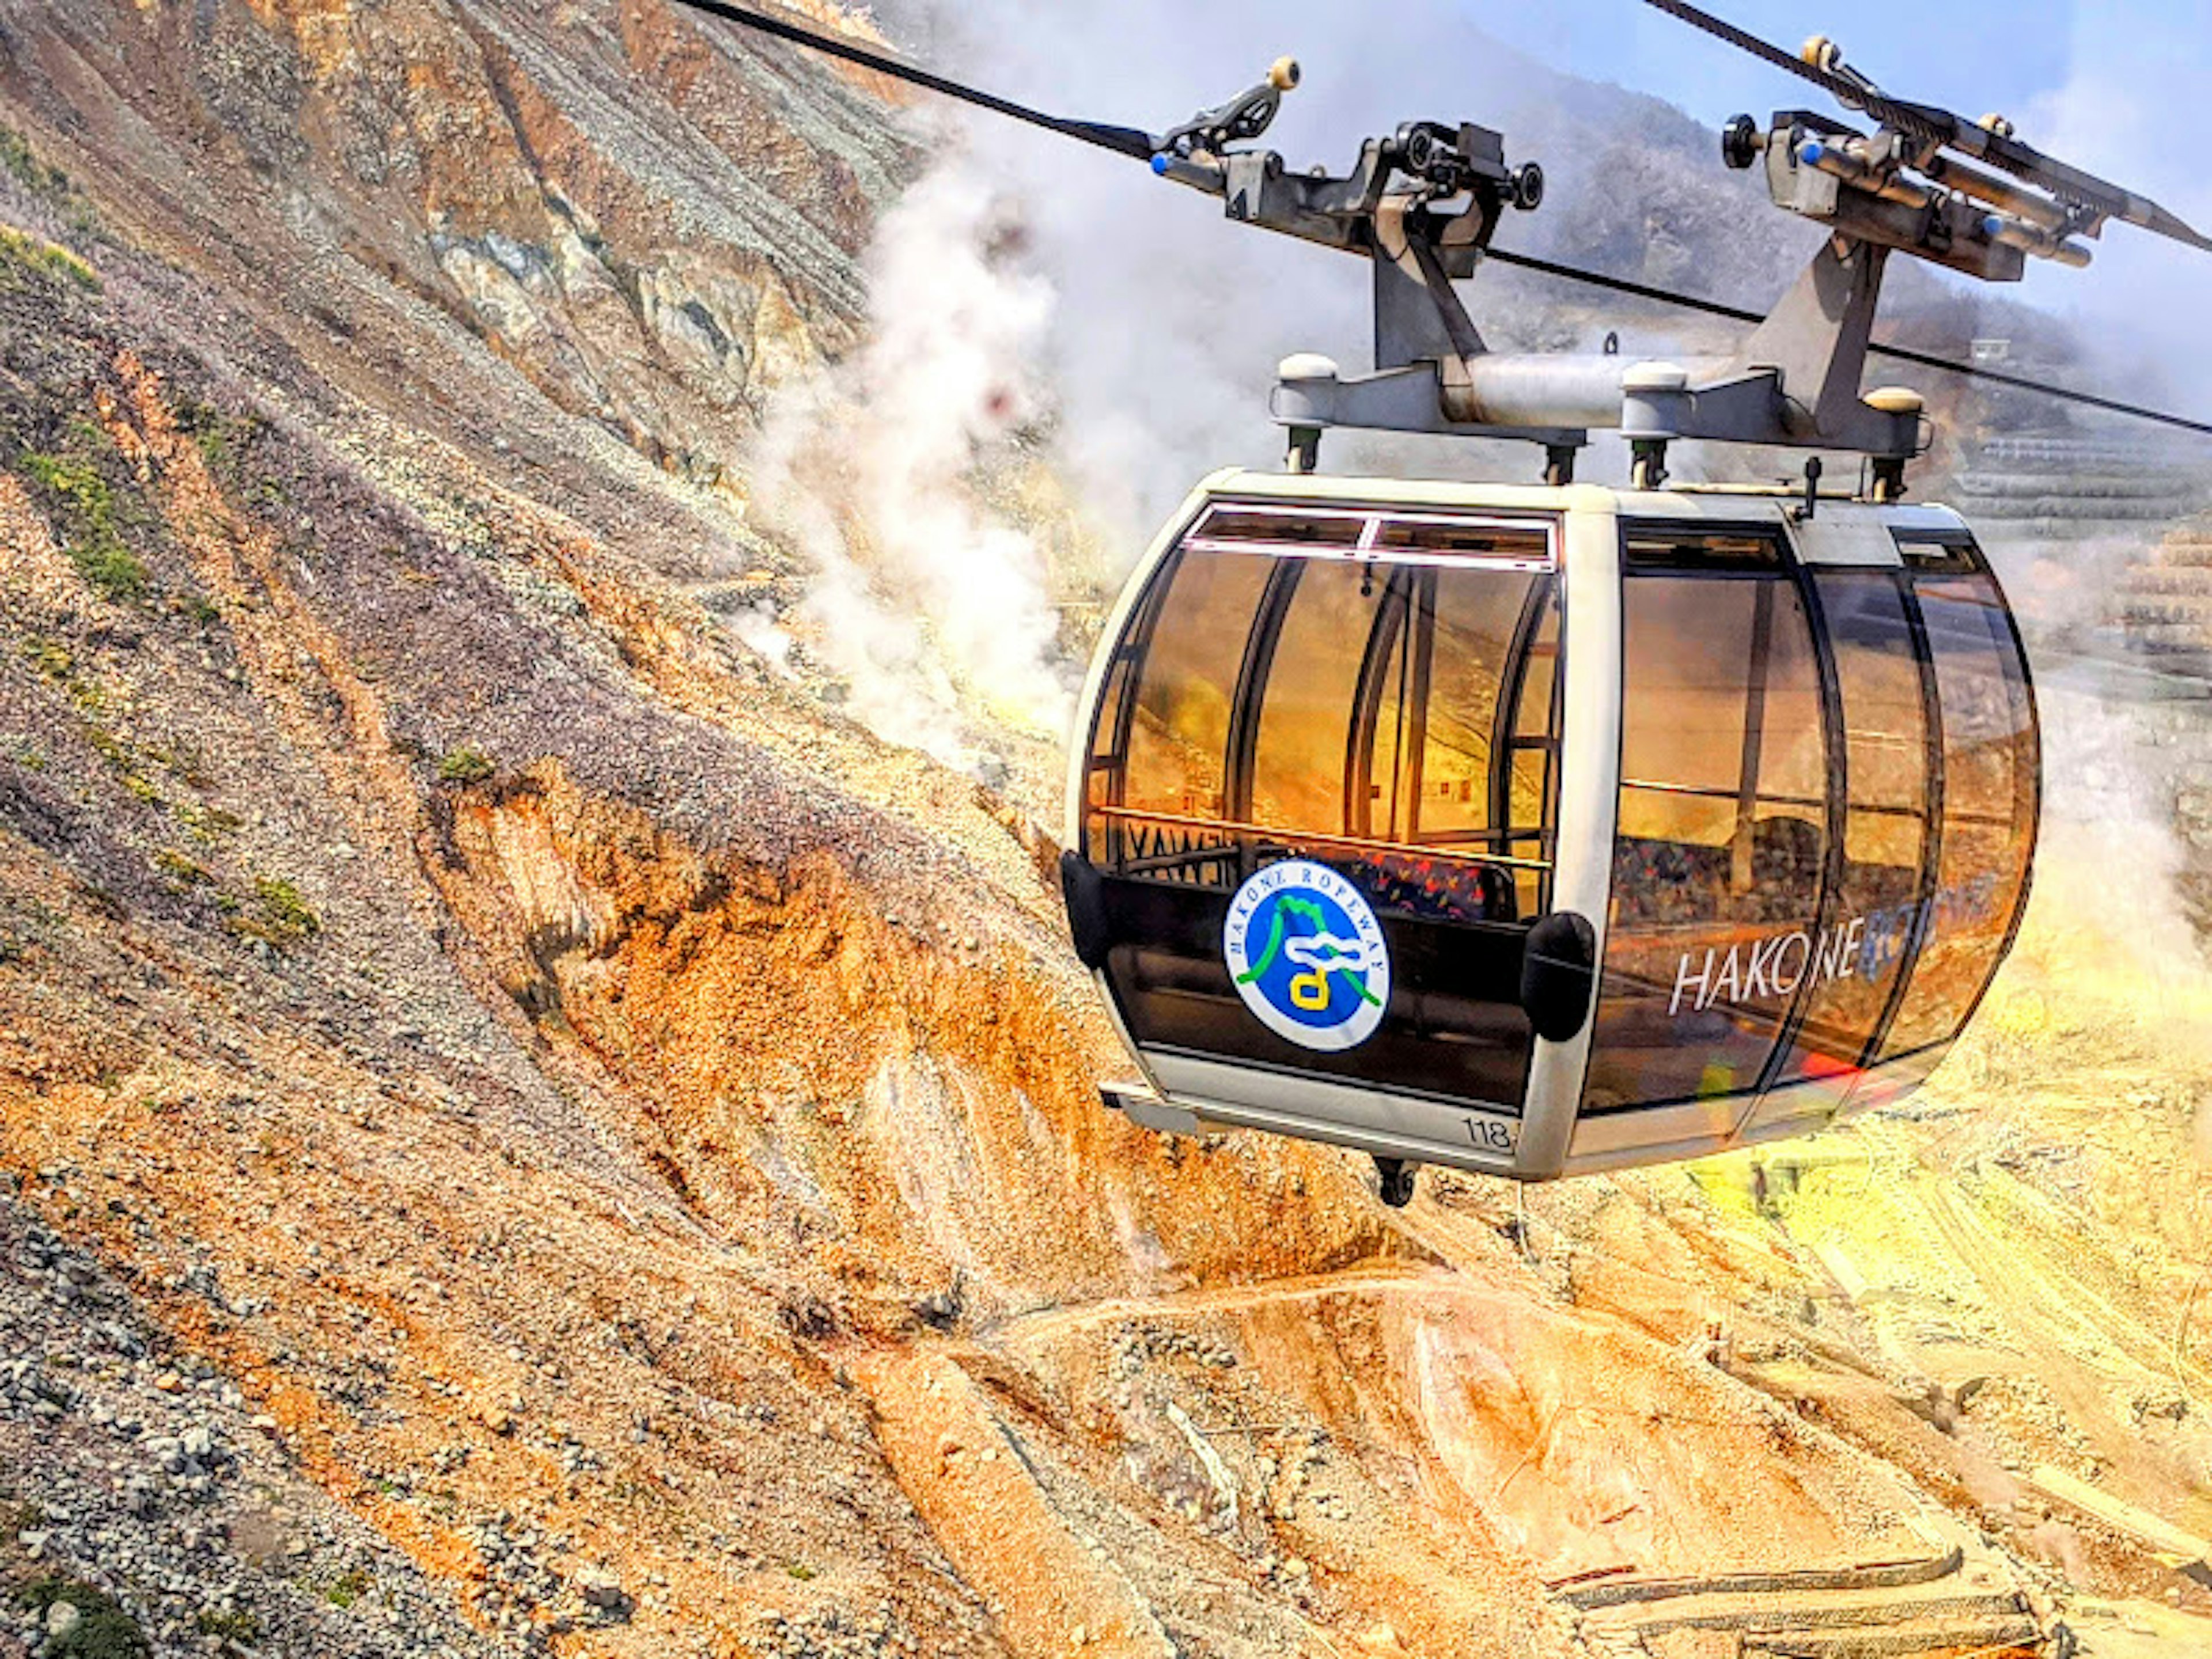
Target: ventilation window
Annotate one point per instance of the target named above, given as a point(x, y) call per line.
point(1253, 528)
point(1510, 546)
point(1929, 555)
point(1385, 538)
point(1659, 550)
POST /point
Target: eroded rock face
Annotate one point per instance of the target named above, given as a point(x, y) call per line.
point(656, 224)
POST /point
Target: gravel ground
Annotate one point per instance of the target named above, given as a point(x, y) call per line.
point(135, 1472)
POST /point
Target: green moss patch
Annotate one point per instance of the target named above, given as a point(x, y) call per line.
point(104, 1630)
point(464, 765)
point(281, 916)
point(50, 259)
point(85, 502)
point(345, 1590)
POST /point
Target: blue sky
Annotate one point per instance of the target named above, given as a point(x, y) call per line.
point(1170, 316)
point(1971, 58)
point(2117, 88)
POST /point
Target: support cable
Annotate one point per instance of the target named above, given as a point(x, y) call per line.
point(1122, 140)
point(1900, 354)
point(1140, 146)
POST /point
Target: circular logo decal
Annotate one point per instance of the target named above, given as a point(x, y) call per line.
point(1308, 956)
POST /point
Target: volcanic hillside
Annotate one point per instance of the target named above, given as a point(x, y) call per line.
point(525, 1129)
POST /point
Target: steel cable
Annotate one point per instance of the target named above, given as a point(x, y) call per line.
point(1139, 146)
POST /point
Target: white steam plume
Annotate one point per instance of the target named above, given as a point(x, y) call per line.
point(2135, 70)
point(936, 613)
point(1173, 319)
point(1153, 367)
point(1169, 321)
point(2138, 73)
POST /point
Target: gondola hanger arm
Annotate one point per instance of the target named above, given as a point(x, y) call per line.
point(1437, 168)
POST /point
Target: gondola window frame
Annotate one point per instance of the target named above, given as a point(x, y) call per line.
point(1456, 1034)
point(1788, 567)
point(1539, 534)
point(1935, 555)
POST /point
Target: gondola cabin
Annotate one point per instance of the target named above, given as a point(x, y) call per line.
point(1539, 831)
point(1553, 830)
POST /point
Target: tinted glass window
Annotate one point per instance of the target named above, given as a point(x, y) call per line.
point(1755, 553)
point(1283, 526)
point(1361, 711)
point(1989, 762)
point(1399, 720)
point(1478, 619)
point(1495, 543)
point(1380, 721)
point(1179, 739)
point(1532, 806)
point(1867, 931)
point(1342, 644)
point(1723, 836)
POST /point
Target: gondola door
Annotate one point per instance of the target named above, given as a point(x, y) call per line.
point(1317, 810)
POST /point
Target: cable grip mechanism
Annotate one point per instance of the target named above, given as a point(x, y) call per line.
point(1244, 117)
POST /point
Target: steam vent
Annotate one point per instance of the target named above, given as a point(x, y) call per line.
point(549, 1104)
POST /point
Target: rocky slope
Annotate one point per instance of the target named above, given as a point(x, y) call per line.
point(524, 1128)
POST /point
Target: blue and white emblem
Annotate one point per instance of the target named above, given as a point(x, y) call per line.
point(1308, 956)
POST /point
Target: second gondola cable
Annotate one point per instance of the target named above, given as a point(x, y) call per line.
point(1896, 354)
point(1121, 141)
point(1140, 146)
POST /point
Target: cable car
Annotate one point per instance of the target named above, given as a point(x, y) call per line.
point(1557, 828)
point(1543, 831)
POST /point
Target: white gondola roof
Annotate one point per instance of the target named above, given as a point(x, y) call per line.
point(1839, 532)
